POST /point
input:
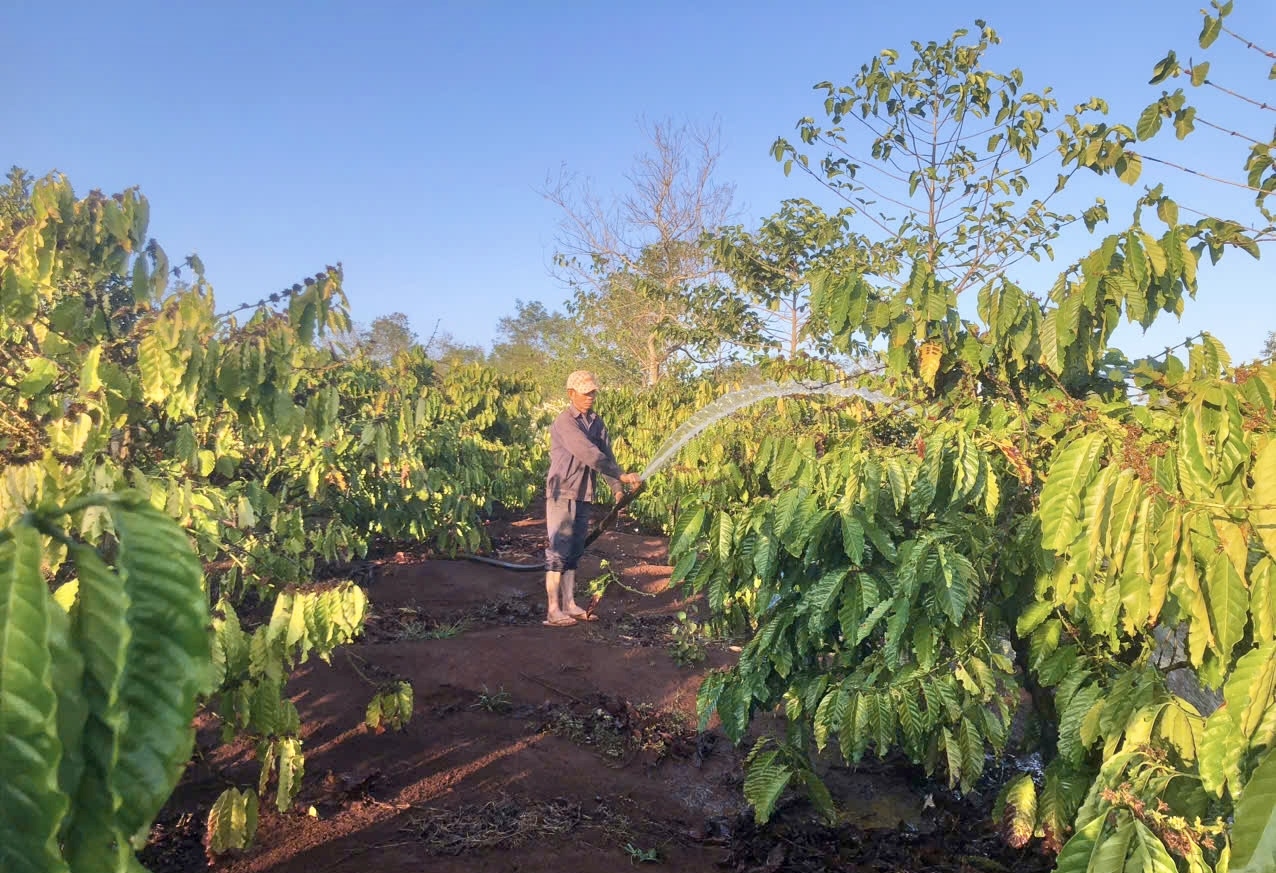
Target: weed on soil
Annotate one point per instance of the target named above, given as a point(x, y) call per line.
point(621, 731)
point(506, 824)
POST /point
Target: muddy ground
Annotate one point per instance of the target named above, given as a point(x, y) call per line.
point(542, 749)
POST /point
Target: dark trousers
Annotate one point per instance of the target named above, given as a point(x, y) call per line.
point(568, 525)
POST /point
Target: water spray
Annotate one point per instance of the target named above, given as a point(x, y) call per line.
point(728, 404)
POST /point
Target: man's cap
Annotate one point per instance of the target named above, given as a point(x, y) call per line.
point(582, 381)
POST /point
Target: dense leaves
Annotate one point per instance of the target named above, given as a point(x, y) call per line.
point(1058, 537)
point(272, 449)
point(96, 705)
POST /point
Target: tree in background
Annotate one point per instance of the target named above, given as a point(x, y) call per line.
point(445, 349)
point(938, 192)
point(644, 282)
point(388, 336)
point(548, 346)
point(772, 265)
point(391, 335)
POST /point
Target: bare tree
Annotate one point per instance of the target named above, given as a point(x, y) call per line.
point(645, 283)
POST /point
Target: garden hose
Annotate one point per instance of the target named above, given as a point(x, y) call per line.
point(607, 521)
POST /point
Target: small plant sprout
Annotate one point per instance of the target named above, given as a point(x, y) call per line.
point(641, 856)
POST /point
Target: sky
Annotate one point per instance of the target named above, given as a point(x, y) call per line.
point(411, 141)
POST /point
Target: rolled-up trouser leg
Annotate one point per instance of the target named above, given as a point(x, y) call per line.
point(567, 522)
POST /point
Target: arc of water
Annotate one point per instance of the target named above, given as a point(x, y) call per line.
point(702, 418)
point(734, 401)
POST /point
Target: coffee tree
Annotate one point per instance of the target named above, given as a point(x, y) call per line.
point(271, 452)
point(1056, 530)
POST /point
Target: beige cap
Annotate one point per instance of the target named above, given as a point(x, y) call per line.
point(582, 381)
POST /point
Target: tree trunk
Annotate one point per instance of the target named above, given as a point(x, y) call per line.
point(795, 328)
point(651, 372)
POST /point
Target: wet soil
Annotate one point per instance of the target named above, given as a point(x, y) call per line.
point(543, 749)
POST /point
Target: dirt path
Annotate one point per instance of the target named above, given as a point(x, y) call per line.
point(537, 749)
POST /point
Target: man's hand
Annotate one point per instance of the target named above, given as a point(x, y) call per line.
point(633, 480)
point(617, 495)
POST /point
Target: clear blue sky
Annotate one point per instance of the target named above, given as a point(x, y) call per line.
point(409, 139)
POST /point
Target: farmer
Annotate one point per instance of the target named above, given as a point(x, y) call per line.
point(579, 450)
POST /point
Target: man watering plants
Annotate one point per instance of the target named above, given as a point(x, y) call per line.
point(579, 450)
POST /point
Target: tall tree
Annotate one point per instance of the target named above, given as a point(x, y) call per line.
point(549, 345)
point(388, 336)
point(908, 148)
point(772, 265)
point(644, 281)
point(444, 348)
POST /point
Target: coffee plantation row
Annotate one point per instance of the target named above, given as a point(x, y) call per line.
point(1042, 547)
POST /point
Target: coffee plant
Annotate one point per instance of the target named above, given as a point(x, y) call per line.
point(96, 695)
point(1055, 532)
point(273, 449)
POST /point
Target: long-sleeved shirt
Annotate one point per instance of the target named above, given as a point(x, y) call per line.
point(579, 450)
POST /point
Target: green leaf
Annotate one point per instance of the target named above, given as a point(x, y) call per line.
point(1149, 122)
point(829, 714)
point(1032, 617)
point(155, 364)
point(1070, 741)
point(1220, 751)
point(726, 535)
point(291, 769)
point(1263, 599)
point(166, 661)
point(31, 806)
point(818, 793)
point(1070, 473)
point(1166, 67)
point(232, 822)
point(1210, 30)
point(873, 619)
point(1249, 689)
point(1129, 168)
point(73, 710)
point(707, 699)
point(1079, 853)
point(41, 373)
point(1116, 847)
point(766, 777)
point(1019, 811)
point(90, 378)
point(1228, 604)
point(1149, 852)
point(819, 600)
point(1061, 797)
point(1176, 728)
point(853, 538)
point(1254, 831)
point(372, 715)
point(1263, 496)
point(687, 531)
point(102, 633)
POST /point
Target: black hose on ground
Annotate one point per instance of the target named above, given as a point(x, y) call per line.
point(607, 520)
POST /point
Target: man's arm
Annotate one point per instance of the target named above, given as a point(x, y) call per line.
point(613, 482)
point(633, 480)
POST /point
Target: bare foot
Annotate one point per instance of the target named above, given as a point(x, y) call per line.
point(580, 614)
point(558, 619)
